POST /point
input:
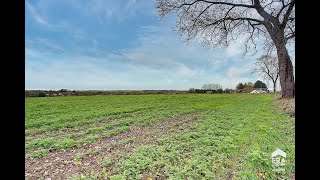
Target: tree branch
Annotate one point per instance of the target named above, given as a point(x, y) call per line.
point(292, 35)
point(283, 7)
point(210, 2)
point(194, 22)
point(229, 4)
point(235, 19)
point(262, 12)
point(287, 14)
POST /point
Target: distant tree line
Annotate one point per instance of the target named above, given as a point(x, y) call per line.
point(206, 88)
point(210, 89)
point(192, 90)
point(248, 87)
point(66, 92)
point(240, 88)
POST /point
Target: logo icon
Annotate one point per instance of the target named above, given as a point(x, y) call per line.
point(278, 160)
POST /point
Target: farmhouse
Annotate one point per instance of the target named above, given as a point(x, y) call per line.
point(258, 91)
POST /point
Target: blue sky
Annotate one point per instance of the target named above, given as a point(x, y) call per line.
point(104, 44)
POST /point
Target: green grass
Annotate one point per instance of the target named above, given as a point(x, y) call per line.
point(56, 115)
point(234, 137)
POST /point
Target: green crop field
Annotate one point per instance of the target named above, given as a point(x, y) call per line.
point(186, 136)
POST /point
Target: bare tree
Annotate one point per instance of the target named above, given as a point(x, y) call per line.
point(218, 22)
point(267, 67)
point(211, 86)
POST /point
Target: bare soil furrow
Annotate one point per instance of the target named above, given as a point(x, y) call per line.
point(62, 164)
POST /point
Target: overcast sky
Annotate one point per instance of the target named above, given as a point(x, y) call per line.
point(104, 44)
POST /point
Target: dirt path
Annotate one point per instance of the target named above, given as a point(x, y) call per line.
point(60, 165)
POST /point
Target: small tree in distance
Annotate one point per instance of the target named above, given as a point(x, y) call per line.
point(267, 67)
point(192, 90)
point(248, 87)
point(41, 94)
point(211, 86)
point(240, 87)
point(227, 90)
point(259, 84)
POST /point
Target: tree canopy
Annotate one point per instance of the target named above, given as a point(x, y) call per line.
point(259, 84)
point(239, 86)
point(216, 23)
point(267, 67)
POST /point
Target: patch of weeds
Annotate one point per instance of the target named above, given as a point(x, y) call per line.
point(107, 162)
point(127, 141)
point(79, 156)
point(80, 177)
point(117, 177)
point(115, 144)
point(95, 129)
point(41, 142)
point(67, 144)
point(247, 175)
point(92, 138)
point(116, 131)
point(40, 153)
point(71, 136)
point(259, 160)
point(146, 123)
point(125, 122)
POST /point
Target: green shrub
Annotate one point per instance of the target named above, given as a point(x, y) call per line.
point(41, 94)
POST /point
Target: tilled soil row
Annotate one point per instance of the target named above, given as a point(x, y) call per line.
point(60, 165)
point(56, 133)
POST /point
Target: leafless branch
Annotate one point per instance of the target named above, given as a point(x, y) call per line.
point(287, 14)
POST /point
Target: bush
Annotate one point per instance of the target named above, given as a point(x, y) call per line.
point(200, 91)
point(41, 94)
point(219, 90)
point(205, 91)
point(192, 90)
point(228, 91)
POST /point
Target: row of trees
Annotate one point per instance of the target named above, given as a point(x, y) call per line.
point(208, 88)
point(211, 86)
point(249, 86)
point(66, 92)
point(193, 90)
point(45, 93)
point(217, 88)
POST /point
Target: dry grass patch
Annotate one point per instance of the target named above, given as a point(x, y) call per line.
point(286, 104)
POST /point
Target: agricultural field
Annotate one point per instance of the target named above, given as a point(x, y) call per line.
point(184, 136)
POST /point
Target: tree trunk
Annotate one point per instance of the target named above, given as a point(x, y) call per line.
point(285, 65)
point(285, 71)
point(274, 86)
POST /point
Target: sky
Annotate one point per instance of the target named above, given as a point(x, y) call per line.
point(120, 45)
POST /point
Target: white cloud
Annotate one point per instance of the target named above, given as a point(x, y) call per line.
point(107, 11)
point(237, 71)
point(131, 6)
point(49, 44)
point(157, 59)
point(32, 53)
point(35, 14)
point(185, 72)
point(73, 73)
point(234, 49)
point(160, 46)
